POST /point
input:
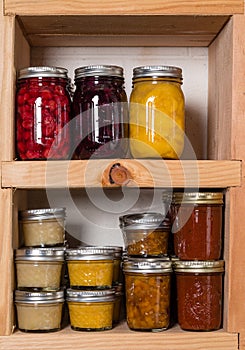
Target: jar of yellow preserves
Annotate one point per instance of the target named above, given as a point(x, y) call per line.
point(157, 113)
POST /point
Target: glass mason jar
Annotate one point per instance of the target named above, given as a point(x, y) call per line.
point(43, 227)
point(157, 113)
point(42, 112)
point(147, 292)
point(91, 310)
point(145, 234)
point(197, 227)
point(39, 269)
point(100, 112)
point(199, 294)
point(90, 267)
point(39, 311)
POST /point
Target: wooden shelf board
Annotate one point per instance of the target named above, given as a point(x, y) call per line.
point(121, 338)
point(143, 7)
point(142, 173)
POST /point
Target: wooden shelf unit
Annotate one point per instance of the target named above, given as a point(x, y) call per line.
point(218, 26)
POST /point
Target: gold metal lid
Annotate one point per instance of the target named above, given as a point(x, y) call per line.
point(198, 266)
point(197, 198)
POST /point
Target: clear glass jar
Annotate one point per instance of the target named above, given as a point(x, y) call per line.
point(100, 112)
point(90, 267)
point(39, 311)
point(199, 294)
point(42, 113)
point(91, 310)
point(157, 113)
point(147, 292)
point(197, 227)
point(43, 227)
point(145, 234)
point(39, 269)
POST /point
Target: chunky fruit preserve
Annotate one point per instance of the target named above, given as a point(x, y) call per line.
point(42, 113)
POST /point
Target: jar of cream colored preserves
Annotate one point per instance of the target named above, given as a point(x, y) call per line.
point(157, 113)
point(90, 267)
point(39, 311)
point(39, 269)
point(43, 227)
point(91, 310)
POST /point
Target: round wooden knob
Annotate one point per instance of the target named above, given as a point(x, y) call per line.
point(119, 175)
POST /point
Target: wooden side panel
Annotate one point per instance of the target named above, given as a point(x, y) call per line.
point(97, 7)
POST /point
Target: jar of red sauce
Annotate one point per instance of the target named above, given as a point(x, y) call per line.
point(197, 227)
point(199, 294)
point(42, 112)
point(100, 112)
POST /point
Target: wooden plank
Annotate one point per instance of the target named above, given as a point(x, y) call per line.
point(121, 338)
point(97, 7)
point(143, 173)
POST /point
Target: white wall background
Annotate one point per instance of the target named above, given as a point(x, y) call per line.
point(93, 217)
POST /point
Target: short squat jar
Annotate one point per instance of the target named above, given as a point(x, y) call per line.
point(145, 234)
point(157, 113)
point(91, 310)
point(39, 312)
point(42, 114)
point(197, 228)
point(39, 269)
point(147, 292)
point(100, 112)
point(199, 294)
point(43, 227)
point(90, 267)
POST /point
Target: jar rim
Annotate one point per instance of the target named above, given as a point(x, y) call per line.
point(198, 266)
point(41, 254)
point(145, 220)
point(43, 71)
point(98, 70)
point(157, 71)
point(89, 253)
point(42, 214)
point(147, 265)
point(197, 197)
point(86, 296)
point(39, 297)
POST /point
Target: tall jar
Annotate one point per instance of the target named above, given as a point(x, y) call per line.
point(199, 294)
point(197, 227)
point(157, 113)
point(100, 112)
point(42, 113)
point(147, 288)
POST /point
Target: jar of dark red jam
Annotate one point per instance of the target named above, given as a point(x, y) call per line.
point(199, 294)
point(42, 112)
point(100, 112)
point(197, 225)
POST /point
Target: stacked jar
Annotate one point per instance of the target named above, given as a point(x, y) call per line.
point(197, 231)
point(39, 296)
point(93, 278)
point(147, 269)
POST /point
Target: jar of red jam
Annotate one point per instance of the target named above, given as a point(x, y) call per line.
point(100, 112)
point(197, 227)
point(199, 294)
point(42, 113)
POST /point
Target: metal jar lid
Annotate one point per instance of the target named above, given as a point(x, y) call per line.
point(42, 214)
point(115, 250)
point(39, 297)
point(89, 253)
point(40, 254)
point(157, 71)
point(198, 198)
point(144, 220)
point(44, 72)
point(98, 70)
point(88, 296)
point(139, 265)
point(198, 266)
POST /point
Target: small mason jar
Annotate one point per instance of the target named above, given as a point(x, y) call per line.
point(100, 112)
point(91, 310)
point(145, 234)
point(199, 294)
point(147, 291)
point(43, 227)
point(42, 113)
point(39, 311)
point(90, 267)
point(39, 269)
point(197, 227)
point(157, 113)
